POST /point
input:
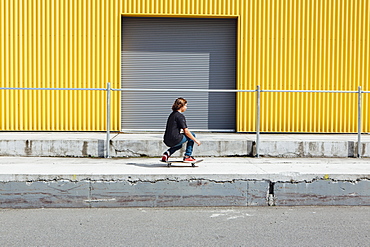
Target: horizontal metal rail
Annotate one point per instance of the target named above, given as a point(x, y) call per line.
point(183, 89)
point(306, 91)
point(52, 88)
point(232, 90)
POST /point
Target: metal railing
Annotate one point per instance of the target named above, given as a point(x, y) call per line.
point(359, 111)
point(258, 104)
point(258, 91)
point(108, 89)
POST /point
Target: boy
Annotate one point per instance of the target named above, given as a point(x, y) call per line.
point(173, 137)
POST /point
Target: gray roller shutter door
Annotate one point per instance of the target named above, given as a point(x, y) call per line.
point(162, 53)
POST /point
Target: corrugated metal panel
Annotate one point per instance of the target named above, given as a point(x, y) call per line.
point(149, 110)
point(58, 44)
point(177, 53)
point(289, 44)
point(283, 44)
point(314, 45)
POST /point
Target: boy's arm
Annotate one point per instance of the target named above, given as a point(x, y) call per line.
point(188, 134)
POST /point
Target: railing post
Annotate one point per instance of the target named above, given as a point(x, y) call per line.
point(107, 142)
point(258, 122)
point(359, 123)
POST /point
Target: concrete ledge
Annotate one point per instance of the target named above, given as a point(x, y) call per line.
point(323, 193)
point(154, 148)
point(34, 182)
point(52, 148)
point(59, 144)
point(130, 147)
point(40, 194)
point(127, 194)
point(180, 193)
point(310, 149)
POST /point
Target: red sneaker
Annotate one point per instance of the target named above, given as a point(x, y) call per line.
point(189, 159)
point(165, 157)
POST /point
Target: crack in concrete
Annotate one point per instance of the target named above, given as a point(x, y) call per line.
point(129, 152)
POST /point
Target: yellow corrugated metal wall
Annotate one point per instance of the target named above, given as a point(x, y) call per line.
point(68, 43)
point(313, 45)
point(282, 44)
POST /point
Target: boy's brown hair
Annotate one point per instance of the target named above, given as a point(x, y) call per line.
point(179, 102)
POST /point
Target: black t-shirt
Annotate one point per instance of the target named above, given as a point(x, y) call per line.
point(176, 121)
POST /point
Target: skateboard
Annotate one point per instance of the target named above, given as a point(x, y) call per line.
point(169, 162)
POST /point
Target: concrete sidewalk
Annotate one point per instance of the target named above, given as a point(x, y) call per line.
point(92, 144)
point(27, 182)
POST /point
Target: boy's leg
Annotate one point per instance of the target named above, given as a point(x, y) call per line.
point(188, 151)
point(189, 146)
point(178, 146)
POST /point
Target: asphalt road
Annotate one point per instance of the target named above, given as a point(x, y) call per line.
point(254, 226)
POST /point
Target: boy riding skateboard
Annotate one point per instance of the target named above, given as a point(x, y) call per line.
point(173, 137)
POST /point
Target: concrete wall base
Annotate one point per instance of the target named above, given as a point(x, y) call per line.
point(312, 149)
point(323, 193)
point(119, 148)
point(173, 193)
point(155, 147)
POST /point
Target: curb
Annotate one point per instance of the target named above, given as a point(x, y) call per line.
point(175, 192)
